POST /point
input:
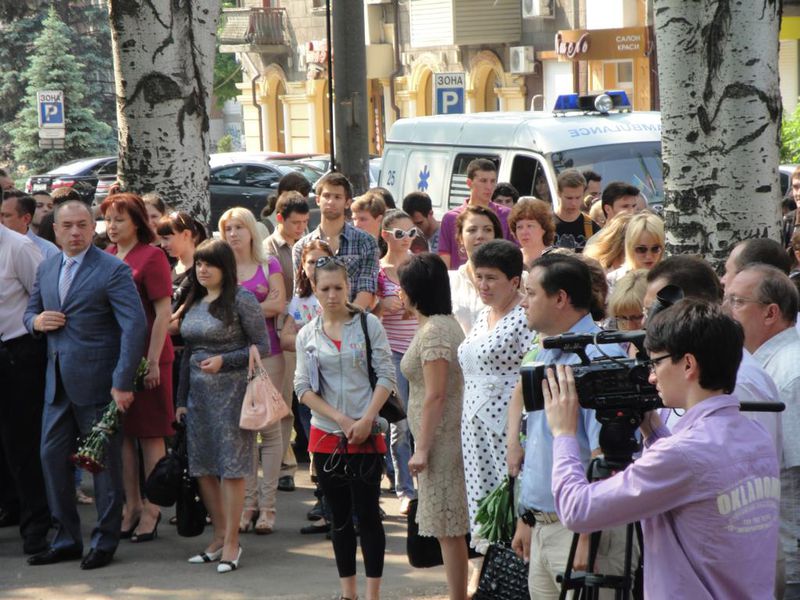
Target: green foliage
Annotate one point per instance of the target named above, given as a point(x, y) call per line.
point(790, 138)
point(225, 143)
point(226, 71)
point(53, 67)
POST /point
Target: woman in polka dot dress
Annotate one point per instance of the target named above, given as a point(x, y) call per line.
point(490, 357)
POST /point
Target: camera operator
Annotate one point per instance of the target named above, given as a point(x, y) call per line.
point(558, 298)
point(707, 496)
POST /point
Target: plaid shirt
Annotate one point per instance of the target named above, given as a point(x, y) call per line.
point(358, 249)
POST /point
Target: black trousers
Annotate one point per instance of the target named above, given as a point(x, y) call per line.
point(351, 484)
point(23, 361)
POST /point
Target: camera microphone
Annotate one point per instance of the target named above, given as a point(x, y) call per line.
point(380, 425)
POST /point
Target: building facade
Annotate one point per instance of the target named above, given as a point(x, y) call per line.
point(515, 55)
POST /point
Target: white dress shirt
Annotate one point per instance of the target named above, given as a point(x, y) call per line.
point(19, 259)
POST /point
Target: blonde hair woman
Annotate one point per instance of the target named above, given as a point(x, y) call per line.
point(607, 246)
point(261, 275)
point(626, 302)
point(644, 245)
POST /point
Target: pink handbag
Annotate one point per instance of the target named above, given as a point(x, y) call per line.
point(263, 404)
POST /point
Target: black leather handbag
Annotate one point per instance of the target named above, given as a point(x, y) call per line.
point(163, 485)
point(504, 575)
point(423, 552)
point(189, 509)
point(393, 409)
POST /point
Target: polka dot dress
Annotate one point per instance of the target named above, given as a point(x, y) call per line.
point(490, 361)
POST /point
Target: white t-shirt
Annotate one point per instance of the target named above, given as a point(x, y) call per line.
point(303, 310)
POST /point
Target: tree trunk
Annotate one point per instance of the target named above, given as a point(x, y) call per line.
point(720, 119)
point(164, 54)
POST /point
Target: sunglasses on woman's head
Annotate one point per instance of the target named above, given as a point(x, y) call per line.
point(399, 234)
point(324, 260)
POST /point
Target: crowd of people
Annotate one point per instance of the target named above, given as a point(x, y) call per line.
point(382, 300)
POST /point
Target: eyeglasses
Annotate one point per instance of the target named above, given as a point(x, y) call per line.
point(324, 260)
point(739, 301)
point(653, 362)
point(645, 249)
point(399, 234)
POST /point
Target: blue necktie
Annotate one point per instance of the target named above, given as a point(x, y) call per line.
point(66, 279)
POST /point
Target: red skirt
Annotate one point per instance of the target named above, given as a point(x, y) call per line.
point(152, 412)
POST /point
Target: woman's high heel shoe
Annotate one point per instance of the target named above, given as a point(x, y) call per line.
point(206, 557)
point(226, 566)
point(126, 534)
point(137, 538)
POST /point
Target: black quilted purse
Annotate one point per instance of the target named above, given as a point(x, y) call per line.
point(164, 483)
point(504, 575)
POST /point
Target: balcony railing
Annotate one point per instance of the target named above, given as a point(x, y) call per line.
point(254, 27)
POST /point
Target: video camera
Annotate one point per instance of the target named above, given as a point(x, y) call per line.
point(617, 388)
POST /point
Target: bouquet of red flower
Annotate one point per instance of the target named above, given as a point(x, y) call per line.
point(92, 451)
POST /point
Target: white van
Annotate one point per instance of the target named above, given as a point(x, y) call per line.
point(431, 154)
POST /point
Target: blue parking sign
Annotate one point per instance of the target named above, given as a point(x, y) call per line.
point(51, 109)
point(449, 93)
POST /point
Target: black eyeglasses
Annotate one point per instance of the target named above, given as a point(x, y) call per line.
point(324, 260)
point(653, 362)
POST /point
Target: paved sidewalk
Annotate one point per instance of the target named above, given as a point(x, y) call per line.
point(284, 565)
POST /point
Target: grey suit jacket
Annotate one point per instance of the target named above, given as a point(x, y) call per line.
point(103, 340)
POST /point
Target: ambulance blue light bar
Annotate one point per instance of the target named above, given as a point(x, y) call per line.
point(602, 102)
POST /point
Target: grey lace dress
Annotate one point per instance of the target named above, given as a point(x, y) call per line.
point(442, 508)
point(216, 444)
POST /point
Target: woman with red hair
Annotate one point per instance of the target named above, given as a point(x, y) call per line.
point(150, 417)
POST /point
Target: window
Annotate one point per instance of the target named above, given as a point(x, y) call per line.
point(260, 177)
point(227, 175)
point(458, 181)
point(109, 168)
point(526, 172)
point(625, 72)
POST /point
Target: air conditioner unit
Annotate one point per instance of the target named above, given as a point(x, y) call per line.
point(523, 59)
point(537, 8)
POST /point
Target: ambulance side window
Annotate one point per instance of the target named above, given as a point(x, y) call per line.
point(526, 172)
point(459, 191)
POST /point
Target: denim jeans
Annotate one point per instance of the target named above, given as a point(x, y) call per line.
point(401, 440)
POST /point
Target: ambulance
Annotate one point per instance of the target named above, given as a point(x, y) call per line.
point(598, 132)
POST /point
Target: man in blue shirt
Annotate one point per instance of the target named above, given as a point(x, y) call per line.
point(558, 297)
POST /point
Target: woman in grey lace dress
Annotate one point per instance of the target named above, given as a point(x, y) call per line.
point(219, 323)
point(434, 413)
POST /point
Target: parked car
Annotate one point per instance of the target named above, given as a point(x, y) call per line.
point(81, 174)
point(219, 159)
point(785, 172)
point(311, 173)
point(247, 184)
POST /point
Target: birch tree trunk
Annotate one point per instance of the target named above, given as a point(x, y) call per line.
point(720, 120)
point(164, 53)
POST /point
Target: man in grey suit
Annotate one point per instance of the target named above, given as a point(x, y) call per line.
point(85, 302)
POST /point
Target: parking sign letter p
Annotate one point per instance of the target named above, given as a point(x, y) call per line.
point(449, 99)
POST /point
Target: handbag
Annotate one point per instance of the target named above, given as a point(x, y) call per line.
point(163, 485)
point(189, 508)
point(393, 409)
point(504, 575)
point(263, 404)
point(424, 552)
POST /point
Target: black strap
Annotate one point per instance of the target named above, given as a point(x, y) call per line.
point(373, 379)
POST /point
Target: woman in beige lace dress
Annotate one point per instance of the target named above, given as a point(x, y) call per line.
point(436, 386)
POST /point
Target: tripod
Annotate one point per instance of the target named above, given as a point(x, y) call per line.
point(619, 438)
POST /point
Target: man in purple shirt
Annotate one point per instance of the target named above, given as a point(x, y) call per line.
point(706, 494)
point(481, 180)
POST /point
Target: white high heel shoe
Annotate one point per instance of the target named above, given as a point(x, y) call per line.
point(226, 566)
point(205, 557)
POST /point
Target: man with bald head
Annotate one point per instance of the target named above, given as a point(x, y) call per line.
point(765, 301)
point(758, 250)
point(85, 303)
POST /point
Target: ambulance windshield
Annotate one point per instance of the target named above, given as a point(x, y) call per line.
point(638, 164)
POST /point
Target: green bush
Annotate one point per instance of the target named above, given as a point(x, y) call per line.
point(790, 138)
point(225, 143)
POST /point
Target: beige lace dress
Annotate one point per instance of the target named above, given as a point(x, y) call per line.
point(442, 508)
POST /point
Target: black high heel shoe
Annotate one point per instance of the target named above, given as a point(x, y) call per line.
point(137, 538)
point(126, 534)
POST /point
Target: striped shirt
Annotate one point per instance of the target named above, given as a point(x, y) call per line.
point(400, 328)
